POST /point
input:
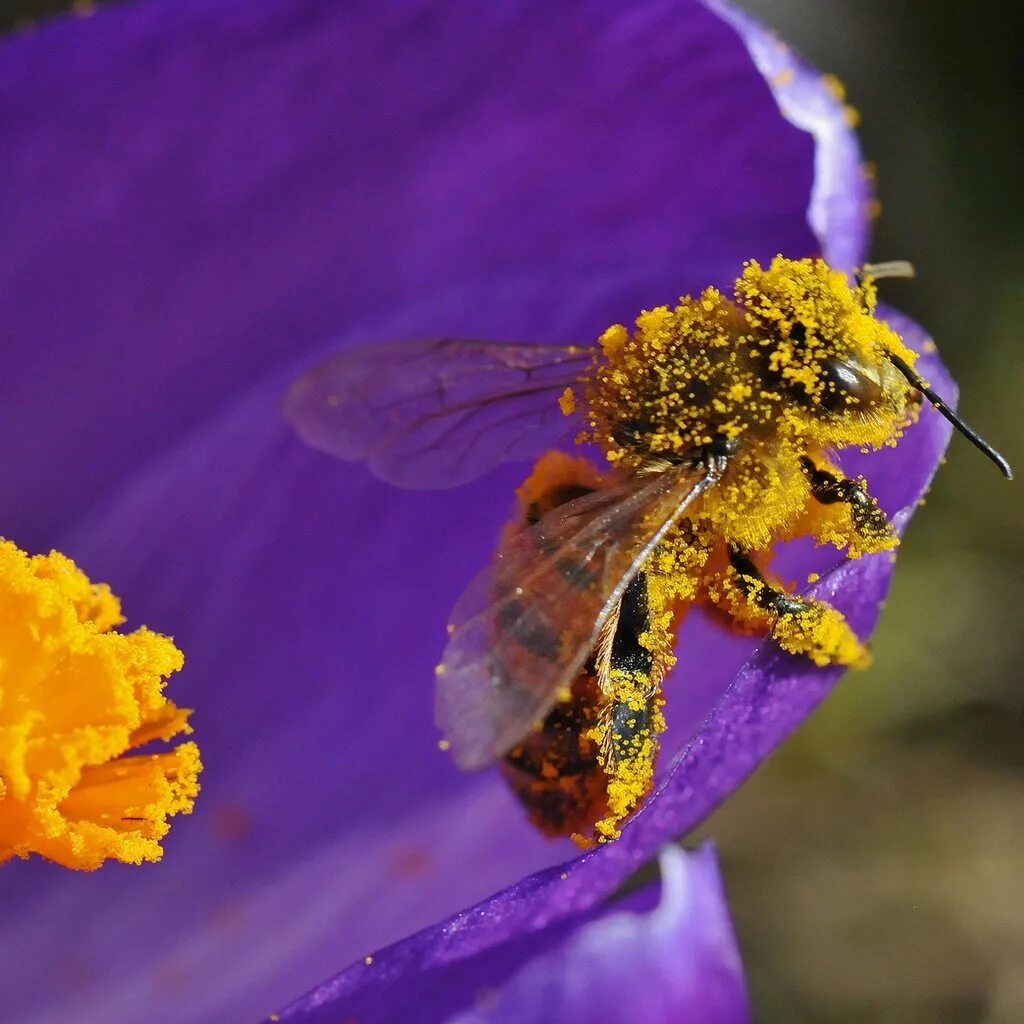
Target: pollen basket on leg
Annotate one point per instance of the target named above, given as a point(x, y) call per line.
point(633, 664)
point(75, 696)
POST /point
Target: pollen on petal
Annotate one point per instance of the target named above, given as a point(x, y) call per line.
point(75, 697)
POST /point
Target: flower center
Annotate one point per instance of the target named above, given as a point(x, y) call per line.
point(75, 696)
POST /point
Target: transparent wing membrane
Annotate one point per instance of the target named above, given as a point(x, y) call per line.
point(526, 625)
point(437, 414)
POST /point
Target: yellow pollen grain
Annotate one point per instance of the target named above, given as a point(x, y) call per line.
point(443, 745)
point(628, 760)
point(567, 402)
point(835, 87)
point(367, 960)
point(76, 697)
point(784, 77)
point(613, 339)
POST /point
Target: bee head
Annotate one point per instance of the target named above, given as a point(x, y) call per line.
point(820, 344)
point(846, 370)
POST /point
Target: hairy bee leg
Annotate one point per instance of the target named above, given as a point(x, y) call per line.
point(872, 529)
point(808, 627)
point(631, 665)
point(753, 584)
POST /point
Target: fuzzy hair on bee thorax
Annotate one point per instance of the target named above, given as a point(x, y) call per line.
point(794, 363)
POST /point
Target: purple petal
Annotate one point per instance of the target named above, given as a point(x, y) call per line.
point(671, 962)
point(437, 413)
point(197, 190)
point(840, 197)
point(202, 197)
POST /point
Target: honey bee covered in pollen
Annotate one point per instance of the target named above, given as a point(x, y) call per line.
point(717, 421)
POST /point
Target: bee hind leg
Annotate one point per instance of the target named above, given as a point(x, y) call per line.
point(799, 625)
point(631, 665)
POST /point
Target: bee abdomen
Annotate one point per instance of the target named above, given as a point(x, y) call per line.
point(555, 772)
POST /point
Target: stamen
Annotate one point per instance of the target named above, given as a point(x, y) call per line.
point(75, 695)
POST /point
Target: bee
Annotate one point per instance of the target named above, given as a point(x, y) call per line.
point(711, 427)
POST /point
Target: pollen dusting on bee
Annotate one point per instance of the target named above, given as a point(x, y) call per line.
point(589, 763)
point(717, 420)
point(812, 628)
point(791, 366)
point(629, 749)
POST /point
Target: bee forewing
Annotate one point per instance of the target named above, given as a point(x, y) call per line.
point(526, 625)
point(436, 414)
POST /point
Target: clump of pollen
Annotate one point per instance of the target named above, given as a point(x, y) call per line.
point(76, 696)
point(628, 731)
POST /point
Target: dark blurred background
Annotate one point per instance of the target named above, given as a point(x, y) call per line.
point(874, 865)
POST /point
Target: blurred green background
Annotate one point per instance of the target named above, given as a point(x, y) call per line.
point(874, 865)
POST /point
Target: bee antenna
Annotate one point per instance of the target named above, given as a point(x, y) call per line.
point(979, 442)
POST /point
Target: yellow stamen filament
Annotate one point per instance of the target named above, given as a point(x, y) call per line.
point(75, 697)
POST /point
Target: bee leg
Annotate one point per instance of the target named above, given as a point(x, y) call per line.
point(870, 528)
point(630, 666)
point(798, 625)
point(758, 589)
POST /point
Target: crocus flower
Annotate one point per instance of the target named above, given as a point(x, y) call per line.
point(76, 695)
point(202, 199)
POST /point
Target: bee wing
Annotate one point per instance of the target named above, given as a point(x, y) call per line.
point(526, 625)
point(436, 414)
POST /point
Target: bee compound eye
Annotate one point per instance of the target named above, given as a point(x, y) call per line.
point(847, 386)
